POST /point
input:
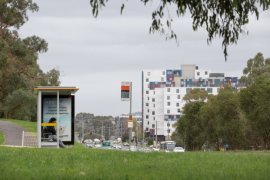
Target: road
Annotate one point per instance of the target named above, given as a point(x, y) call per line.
point(12, 133)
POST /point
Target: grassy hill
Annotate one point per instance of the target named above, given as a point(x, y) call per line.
point(82, 163)
point(79, 162)
point(1, 138)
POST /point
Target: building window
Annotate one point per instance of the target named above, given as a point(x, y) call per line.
point(146, 129)
point(147, 117)
point(178, 110)
point(205, 72)
point(198, 73)
point(148, 110)
point(147, 80)
point(163, 72)
point(168, 89)
point(148, 98)
point(148, 73)
point(154, 92)
point(154, 105)
point(146, 92)
point(153, 112)
point(146, 104)
point(162, 78)
point(177, 90)
point(154, 118)
point(177, 104)
point(209, 90)
point(178, 97)
point(168, 103)
point(168, 97)
point(148, 122)
point(153, 99)
point(153, 125)
point(168, 111)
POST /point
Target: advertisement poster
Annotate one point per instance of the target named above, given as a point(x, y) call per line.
point(65, 115)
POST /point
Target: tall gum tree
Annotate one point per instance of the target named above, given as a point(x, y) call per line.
point(19, 70)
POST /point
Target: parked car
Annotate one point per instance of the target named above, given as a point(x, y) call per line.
point(179, 149)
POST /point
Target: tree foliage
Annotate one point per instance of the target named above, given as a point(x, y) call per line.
point(215, 123)
point(256, 68)
point(189, 127)
point(225, 19)
point(19, 70)
point(255, 99)
point(196, 95)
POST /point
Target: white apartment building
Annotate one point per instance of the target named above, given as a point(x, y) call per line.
point(163, 92)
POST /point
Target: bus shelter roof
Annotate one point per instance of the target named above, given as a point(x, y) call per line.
point(63, 90)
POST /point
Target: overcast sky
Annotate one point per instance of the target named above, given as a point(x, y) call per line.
point(97, 54)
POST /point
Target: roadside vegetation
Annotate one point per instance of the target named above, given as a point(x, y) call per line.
point(2, 138)
point(82, 163)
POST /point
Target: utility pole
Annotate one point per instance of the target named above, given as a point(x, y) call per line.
point(102, 130)
point(82, 130)
point(156, 133)
point(130, 113)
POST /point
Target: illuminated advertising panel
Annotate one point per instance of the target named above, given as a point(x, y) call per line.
point(66, 115)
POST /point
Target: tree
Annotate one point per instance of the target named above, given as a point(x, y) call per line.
point(222, 120)
point(256, 67)
point(255, 99)
point(225, 19)
point(189, 127)
point(196, 95)
point(255, 102)
point(19, 70)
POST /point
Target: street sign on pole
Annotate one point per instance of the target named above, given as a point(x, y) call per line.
point(125, 91)
point(126, 95)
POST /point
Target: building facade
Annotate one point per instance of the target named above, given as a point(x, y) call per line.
point(163, 92)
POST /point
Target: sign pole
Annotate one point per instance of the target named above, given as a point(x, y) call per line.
point(58, 120)
point(126, 95)
point(39, 106)
point(130, 113)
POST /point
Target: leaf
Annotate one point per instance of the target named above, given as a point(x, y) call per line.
point(122, 8)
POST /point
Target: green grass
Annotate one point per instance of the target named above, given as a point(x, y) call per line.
point(82, 163)
point(27, 125)
point(2, 139)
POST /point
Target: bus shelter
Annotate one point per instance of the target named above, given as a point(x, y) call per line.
point(55, 115)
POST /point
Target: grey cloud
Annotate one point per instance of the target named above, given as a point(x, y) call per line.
point(97, 54)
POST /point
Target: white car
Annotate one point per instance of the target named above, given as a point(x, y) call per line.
point(179, 149)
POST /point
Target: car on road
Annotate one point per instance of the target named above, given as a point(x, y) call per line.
point(179, 149)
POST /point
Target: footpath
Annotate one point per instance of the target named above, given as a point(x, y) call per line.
point(12, 133)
